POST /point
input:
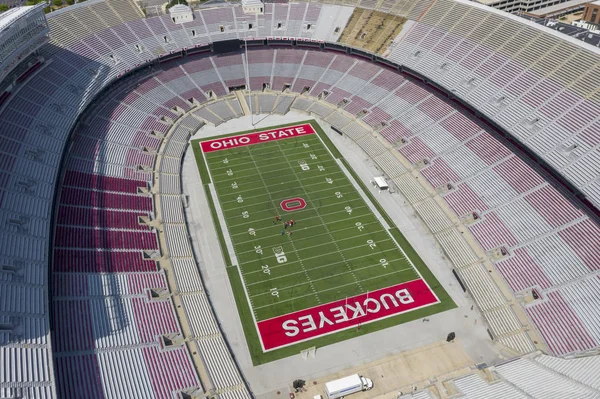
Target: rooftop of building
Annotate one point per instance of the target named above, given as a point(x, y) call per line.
point(557, 8)
point(251, 2)
point(8, 17)
point(179, 8)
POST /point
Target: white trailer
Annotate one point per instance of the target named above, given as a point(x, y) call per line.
point(346, 386)
point(380, 183)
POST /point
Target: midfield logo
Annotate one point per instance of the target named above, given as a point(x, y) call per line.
point(292, 204)
point(280, 255)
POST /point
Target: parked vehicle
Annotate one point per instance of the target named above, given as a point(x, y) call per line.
point(347, 385)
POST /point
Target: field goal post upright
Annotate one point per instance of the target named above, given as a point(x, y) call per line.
point(310, 352)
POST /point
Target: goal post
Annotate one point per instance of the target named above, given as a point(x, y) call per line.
point(310, 352)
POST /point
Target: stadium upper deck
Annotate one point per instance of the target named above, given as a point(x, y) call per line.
point(539, 86)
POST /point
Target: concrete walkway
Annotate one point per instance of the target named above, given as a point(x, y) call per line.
point(403, 372)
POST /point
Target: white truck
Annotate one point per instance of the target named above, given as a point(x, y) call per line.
point(346, 386)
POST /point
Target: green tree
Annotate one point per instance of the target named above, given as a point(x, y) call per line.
point(57, 3)
point(3, 7)
point(175, 2)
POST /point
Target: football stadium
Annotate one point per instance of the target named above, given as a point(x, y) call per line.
point(266, 200)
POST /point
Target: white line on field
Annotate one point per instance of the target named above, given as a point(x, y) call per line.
point(228, 165)
point(322, 278)
point(326, 228)
point(287, 188)
point(307, 237)
point(296, 213)
point(225, 230)
point(263, 146)
point(288, 264)
point(329, 289)
point(331, 174)
point(274, 206)
point(326, 243)
point(266, 169)
point(303, 229)
point(267, 145)
point(224, 180)
point(319, 279)
point(300, 151)
point(376, 212)
point(275, 192)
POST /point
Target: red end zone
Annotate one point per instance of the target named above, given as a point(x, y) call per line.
point(325, 319)
point(226, 143)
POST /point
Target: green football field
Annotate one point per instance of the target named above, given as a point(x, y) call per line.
point(341, 245)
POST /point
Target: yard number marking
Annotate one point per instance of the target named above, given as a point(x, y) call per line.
point(251, 231)
point(338, 194)
point(303, 165)
point(245, 214)
point(274, 292)
point(226, 161)
point(384, 263)
point(234, 185)
point(372, 244)
point(305, 145)
point(329, 180)
point(229, 172)
point(258, 249)
point(360, 226)
point(239, 199)
point(266, 270)
point(349, 210)
point(312, 156)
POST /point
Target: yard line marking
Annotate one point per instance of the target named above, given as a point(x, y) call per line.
point(305, 228)
point(283, 190)
point(326, 243)
point(222, 179)
point(265, 174)
point(267, 168)
point(214, 194)
point(296, 213)
point(318, 267)
point(253, 189)
point(374, 210)
point(325, 225)
point(300, 151)
point(264, 145)
point(329, 289)
point(308, 237)
point(312, 287)
point(322, 278)
point(275, 206)
point(274, 192)
point(230, 164)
